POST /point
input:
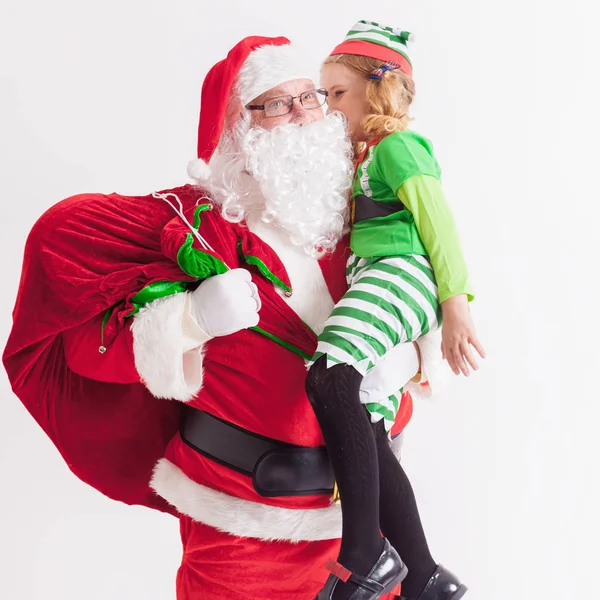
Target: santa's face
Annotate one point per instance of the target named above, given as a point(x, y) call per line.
point(301, 113)
point(295, 175)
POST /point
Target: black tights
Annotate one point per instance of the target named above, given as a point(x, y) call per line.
point(374, 489)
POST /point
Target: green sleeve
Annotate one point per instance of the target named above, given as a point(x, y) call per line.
point(423, 196)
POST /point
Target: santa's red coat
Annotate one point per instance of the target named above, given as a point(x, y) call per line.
point(90, 263)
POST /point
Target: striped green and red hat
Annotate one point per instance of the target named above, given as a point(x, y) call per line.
point(373, 40)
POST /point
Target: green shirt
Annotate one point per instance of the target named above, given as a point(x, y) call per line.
point(402, 167)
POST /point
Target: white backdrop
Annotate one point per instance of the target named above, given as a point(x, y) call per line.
point(104, 97)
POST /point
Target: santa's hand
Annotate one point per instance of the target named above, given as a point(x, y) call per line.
point(226, 303)
point(390, 373)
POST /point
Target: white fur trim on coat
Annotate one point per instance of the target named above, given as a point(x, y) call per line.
point(166, 369)
point(243, 518)
point(311, 299)
point(270, 66)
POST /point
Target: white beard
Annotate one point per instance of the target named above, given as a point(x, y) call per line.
point(296, 177)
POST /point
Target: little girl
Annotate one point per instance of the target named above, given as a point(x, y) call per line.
point(405, 274)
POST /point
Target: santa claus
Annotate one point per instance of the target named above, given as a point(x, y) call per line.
point(161, 341)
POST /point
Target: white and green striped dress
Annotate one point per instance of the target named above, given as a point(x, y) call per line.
point(390, 301)
point(393, 295)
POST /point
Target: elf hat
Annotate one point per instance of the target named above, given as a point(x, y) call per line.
point(373, 40)
point(258, 64)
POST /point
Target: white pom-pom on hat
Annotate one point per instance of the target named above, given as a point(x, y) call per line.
point(199, 170)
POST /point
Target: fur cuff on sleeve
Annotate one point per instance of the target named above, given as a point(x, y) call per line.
point(167, 366)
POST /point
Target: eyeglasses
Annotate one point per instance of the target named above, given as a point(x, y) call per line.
point(282, 105)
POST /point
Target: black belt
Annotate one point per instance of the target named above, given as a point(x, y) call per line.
point(367, 208)
point(276, 468)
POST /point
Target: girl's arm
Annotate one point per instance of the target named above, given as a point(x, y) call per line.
point(423, 196)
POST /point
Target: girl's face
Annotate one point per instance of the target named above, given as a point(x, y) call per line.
point(348, 94)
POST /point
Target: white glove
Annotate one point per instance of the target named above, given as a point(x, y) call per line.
point(434, 369)
point(390, 373)
point(224, 304)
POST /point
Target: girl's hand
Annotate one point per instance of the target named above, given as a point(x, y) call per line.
point(458, 335)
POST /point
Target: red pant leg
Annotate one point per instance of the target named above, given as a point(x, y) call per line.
point(219, 566)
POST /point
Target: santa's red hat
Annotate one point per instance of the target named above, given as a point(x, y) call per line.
point(258, 64)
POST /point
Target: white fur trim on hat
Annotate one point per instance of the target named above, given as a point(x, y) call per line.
point(270, 66)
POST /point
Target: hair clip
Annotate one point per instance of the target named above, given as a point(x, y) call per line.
point(377, 74)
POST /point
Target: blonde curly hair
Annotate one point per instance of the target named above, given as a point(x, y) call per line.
point(389, 99)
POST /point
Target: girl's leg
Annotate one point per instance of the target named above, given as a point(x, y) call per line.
point(334, 395)
point(399, 517)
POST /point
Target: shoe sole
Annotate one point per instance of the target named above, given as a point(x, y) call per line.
point(460, 592)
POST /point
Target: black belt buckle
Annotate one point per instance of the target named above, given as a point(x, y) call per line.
point(295, 471)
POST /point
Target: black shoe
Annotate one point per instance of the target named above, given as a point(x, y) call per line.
point(443, 585)
point(386, 574)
